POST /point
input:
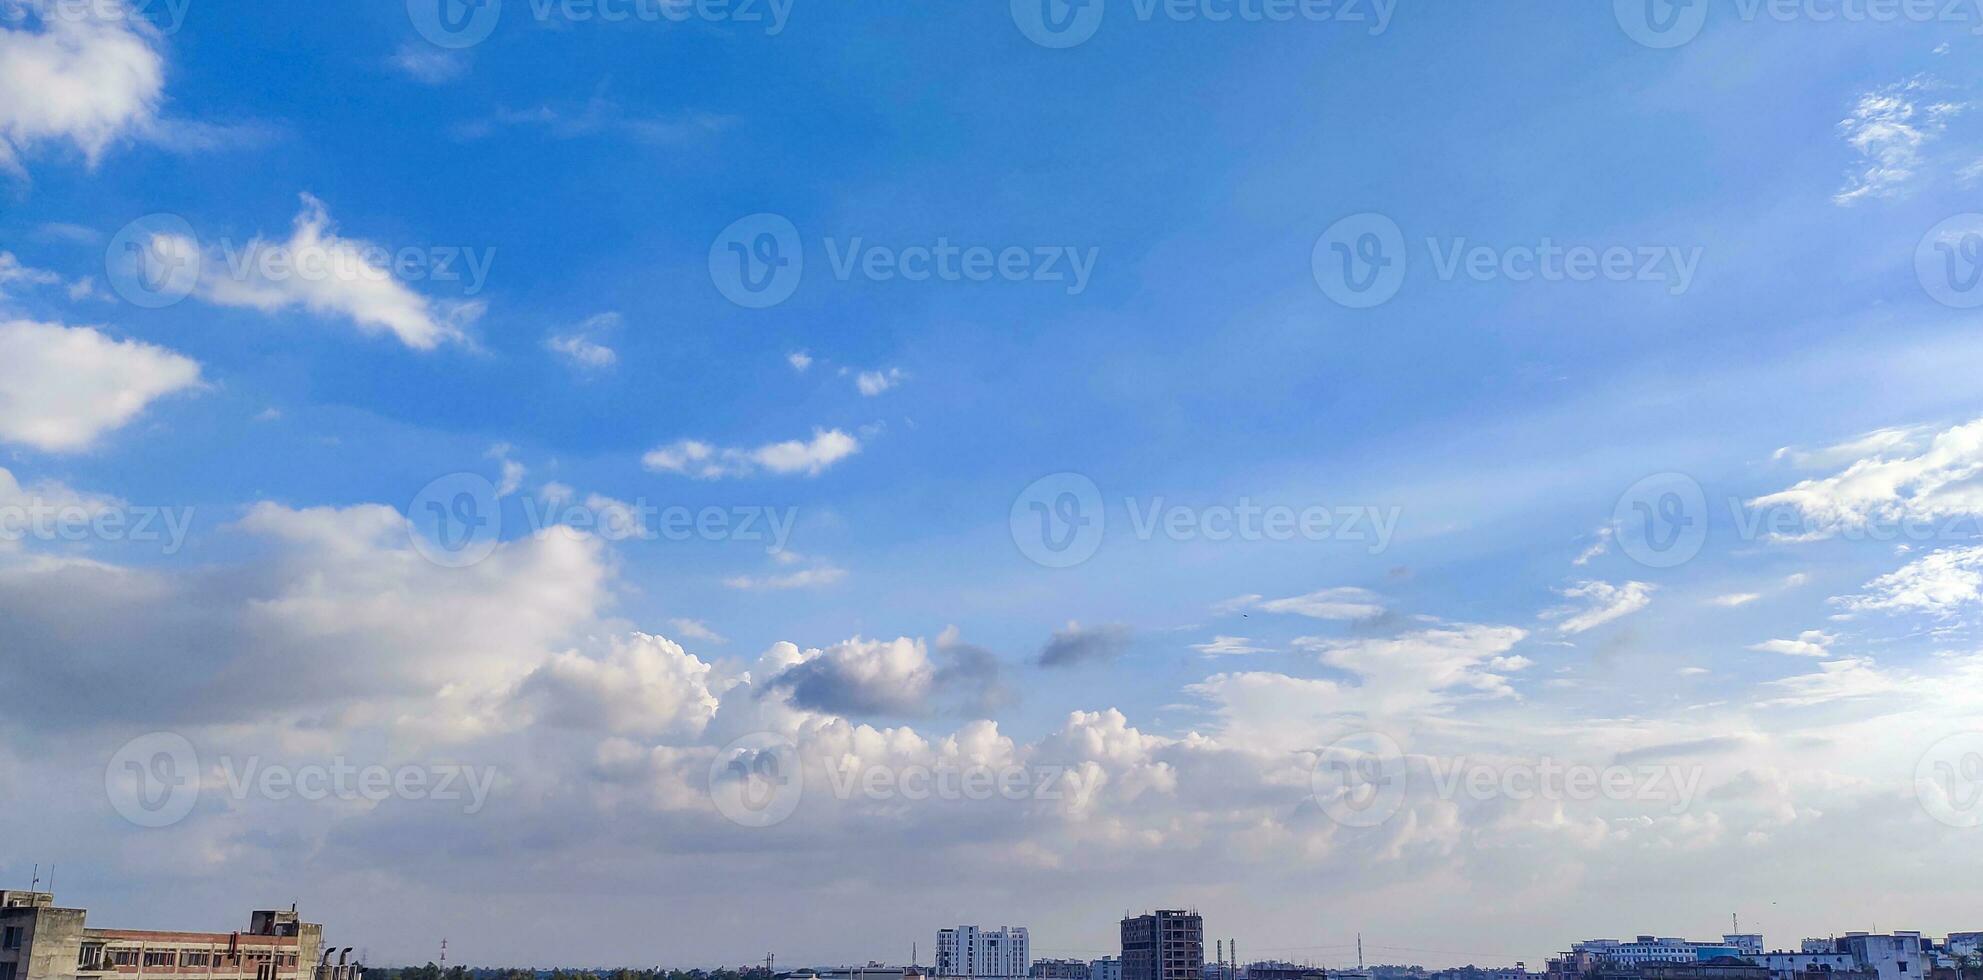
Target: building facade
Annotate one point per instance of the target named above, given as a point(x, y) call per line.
point(1168, 944)
point(40, 941)
point(1060, 970)
point(969, 951)
point(1897, 956)
point(1106, 968)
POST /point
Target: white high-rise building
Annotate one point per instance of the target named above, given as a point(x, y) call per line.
point(968, 951)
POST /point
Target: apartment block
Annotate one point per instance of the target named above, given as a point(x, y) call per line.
point(1168, 944)
point(971, 951)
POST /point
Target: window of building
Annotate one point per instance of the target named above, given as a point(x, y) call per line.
point(123, 957)
point(13, 938)
point(196, 959)
point(160, 957)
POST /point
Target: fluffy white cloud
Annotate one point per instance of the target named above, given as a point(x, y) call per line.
point(1602, 603)
point(794, 457)
point(644, 685)
point(862, 677)
point(1427, 668)
point(872, 383)
point(1226, 646)
point(86, 75)
point(1941, 583)
point(329, 275)
point(580, 347)
point(61, 387)
point(1903, 483)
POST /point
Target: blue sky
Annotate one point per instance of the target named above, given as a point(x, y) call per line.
point(1781, 332)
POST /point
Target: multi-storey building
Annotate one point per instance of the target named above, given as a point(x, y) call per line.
point(1799, 966)
point(1059, 970)
point(1651, 949)
point(1168, 944)
point(969, 951)
point(1899, 956)
point(39, 941)
point(1106, 968)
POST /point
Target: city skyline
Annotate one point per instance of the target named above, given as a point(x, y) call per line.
point(601, 480)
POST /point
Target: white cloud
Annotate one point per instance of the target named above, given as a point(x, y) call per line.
point(1603, 603)
point(1224, 646)
point(800, 361)
point(695, 629)
point(810, 578)
point(428, 64)
point(1810, 643)
point(513, 472)
point(1336, 603)
point(87, 77)
point(862, 677)
point(706, 462)
point(1598, 546)
point(1941, 583)
point(63, 387)
point(1943, 479)
point(1889, 128)
point(872, 383)
point(1425, 669)
point(12, 272)
point(581, 347)
point(1734, 599)
point(328, 275)
point(642, 686)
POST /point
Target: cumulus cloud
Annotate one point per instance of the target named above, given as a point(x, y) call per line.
point(795, 457)
point(329, 275)
point(863, 677)
point(1077, 645)
point(1602, 603)
point(61, 388)
point(86, 78)
point(643, 685)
